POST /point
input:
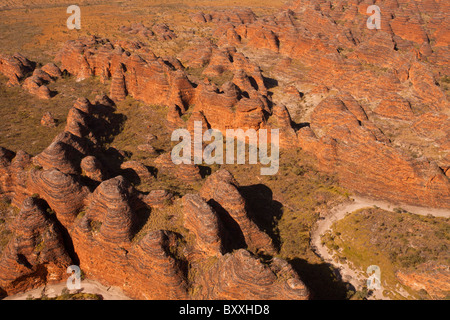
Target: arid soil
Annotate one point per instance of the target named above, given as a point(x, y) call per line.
point(54, 290)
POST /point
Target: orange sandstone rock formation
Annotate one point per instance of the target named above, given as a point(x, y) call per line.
point(36, 255)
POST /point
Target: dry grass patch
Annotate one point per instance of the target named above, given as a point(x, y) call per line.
point(392, 240)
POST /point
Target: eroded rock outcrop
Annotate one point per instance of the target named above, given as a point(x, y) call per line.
point(63, 193)
point(161, 31)
point(93, 168)
point(204, 222)
point(345, 146)
point(221, 191)
point(110, 209)
point(158, 198)
point(326, 44)
point(48, 120)
point(61, 156)
point(15, 67)
point(151, 259)
point(147, 77)
point(236, 16)
point(189, 173)
point(21, 71)
point(103, 237)
point(36, 254)
point(118, 85)
point(240, 275)
point(432, 278)
point(341, 77)
point(137, 172)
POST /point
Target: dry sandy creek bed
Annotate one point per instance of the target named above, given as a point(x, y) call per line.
point(357, 278)
point(87, 286)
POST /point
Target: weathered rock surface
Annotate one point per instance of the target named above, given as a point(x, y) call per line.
point(161, 31)
point(345, 146)
point(241, 102)
point(329, 85)
point(18, 68)
point(434, 279)
point(93, 168)
point(151, 259)
point(61, 156)
point(204, 222)
point(48, 120)
point(395, 107)
point(240, 275)
point(102, 220)
point(158, 198)
point(6, 183)
point(36, 254)
point(15, 67)
point(14, 177)
point(220, 190)
point(189, 173)
point(146, 269)
point(147, 77)
point(236, 16)
point(118, 85)
point(137, 171)
point(52, 70)
point(61, 191)
point(110, 207)
point(327, 44)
